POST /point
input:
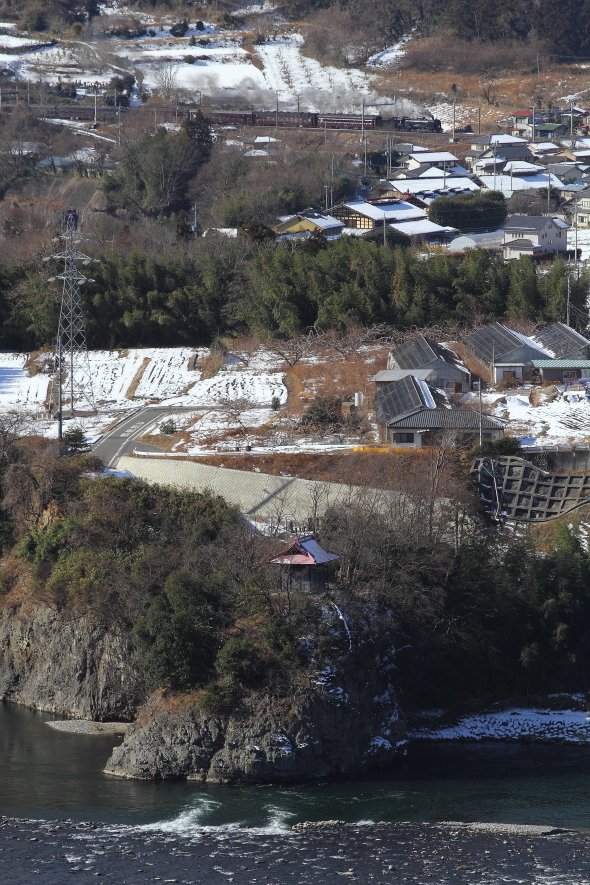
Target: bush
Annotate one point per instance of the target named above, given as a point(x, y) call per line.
point(240, 661)
point(179, 29)
point(324, 412)
point(178, 635)
point(220, 697)
point(506, 445)
point(470, 212)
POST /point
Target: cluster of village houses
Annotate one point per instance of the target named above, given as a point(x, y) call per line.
point(535, 157)
point(419, 396)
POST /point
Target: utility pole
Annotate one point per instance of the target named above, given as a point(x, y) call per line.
point(480, 414)
point(479, 118)
point(277, 114)
point(567, 304)
point(363, 120)
point(576, 238)
point(454, 117)
point(71, 347)
point(365, 154)
point(326, 195)
point(384, 229)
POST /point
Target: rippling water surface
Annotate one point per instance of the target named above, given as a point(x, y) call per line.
point(50, 774)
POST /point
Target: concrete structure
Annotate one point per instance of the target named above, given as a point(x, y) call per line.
point(283, 504)
point(515, 489)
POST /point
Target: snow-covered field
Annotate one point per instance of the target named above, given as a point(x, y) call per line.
point(219, 63)
point(563, 422)
point(569, 726)
point(444, 112)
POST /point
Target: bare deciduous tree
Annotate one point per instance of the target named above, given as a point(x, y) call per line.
point(166, 76)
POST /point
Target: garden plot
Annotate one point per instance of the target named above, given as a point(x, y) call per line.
point(319, 87)
point(444, 112)
point(563, 422)
point(17, 389)
point(259, 388)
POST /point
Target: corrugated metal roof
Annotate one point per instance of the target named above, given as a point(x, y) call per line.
point(397, 374)
point(401, 398)
point(451, 419)
point(561, 364)
point(303, 551)
point(496, 340)
point(559, 340)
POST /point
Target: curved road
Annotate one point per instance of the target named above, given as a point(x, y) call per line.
point(121, 438)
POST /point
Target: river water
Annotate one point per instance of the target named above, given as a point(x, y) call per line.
point(53, 775)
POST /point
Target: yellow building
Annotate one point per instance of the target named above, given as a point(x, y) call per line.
point(308, 223)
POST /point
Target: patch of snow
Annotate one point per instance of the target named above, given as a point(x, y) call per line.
point(390, 57)
point(570, 726)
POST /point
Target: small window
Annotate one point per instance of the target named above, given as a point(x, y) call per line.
point(406, 437)
point(570, 375)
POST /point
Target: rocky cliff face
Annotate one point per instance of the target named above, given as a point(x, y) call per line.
point(332, 728)
point(65, 663)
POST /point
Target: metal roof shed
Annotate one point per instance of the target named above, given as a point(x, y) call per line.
point(303, 565)
point(563, 342)
point(446, 371)
point(496, 345)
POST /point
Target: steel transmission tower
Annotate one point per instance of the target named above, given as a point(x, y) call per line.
point(73, 381)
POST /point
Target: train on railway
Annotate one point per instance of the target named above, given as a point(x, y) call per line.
point(265, 119)
point(310, 120)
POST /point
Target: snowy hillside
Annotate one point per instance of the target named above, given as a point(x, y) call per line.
point(207, 60)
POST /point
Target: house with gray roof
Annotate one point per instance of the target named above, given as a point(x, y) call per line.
point(408, 411)
point(444, 369)
point(533, 235)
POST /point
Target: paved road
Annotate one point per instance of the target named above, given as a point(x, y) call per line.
point(121, 438)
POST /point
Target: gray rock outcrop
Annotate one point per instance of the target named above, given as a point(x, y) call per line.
point(64, 662)
point(330, 729)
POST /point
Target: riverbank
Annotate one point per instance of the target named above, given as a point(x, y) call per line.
point(88, 726)
point(378, 853)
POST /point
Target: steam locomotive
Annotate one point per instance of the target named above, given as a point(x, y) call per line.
point(309, 120)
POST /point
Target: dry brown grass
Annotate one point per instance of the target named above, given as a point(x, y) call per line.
point(334, 376)
point(477, 368)
point(498, 93)
point(395, 469)
point(130, 394)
